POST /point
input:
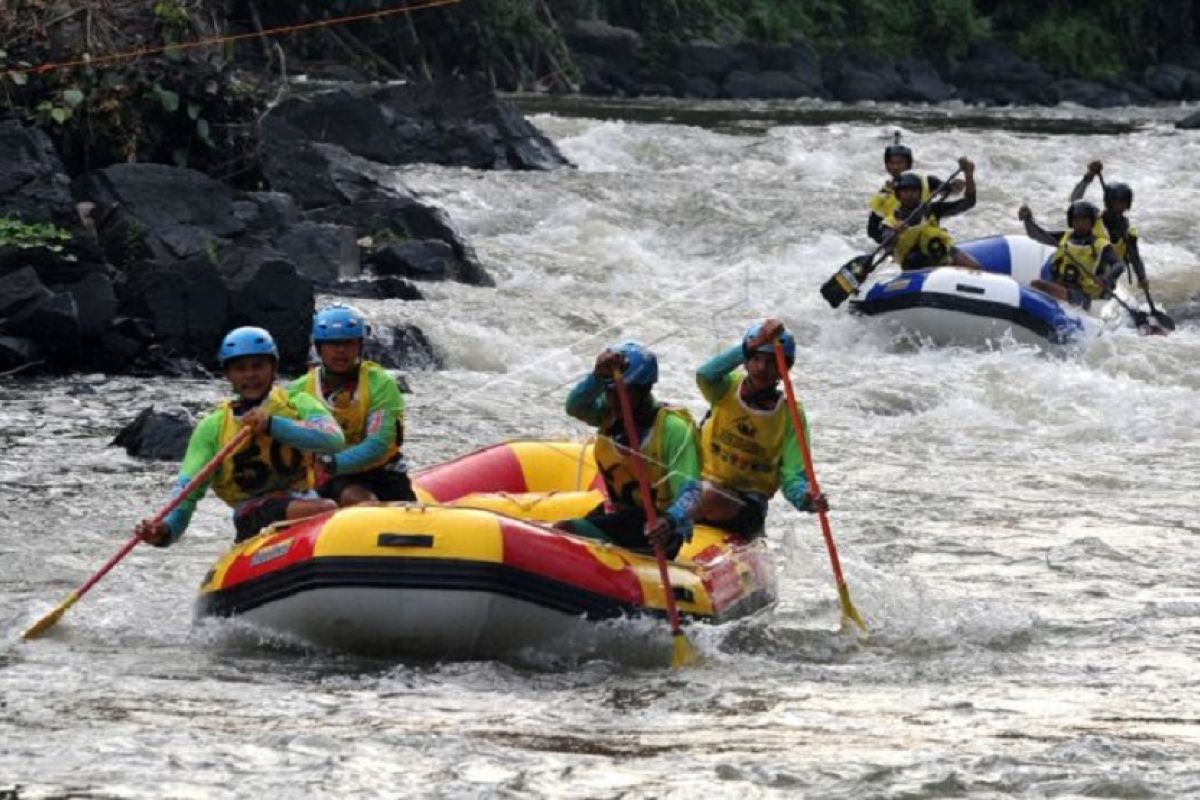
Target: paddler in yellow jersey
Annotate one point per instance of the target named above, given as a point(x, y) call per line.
point(667, 442)
point(1084, 267)
point(898, 159)
point(748, 443)
point(1118, 200)
point(270, 477)
point(369, 407)
point(922, 242)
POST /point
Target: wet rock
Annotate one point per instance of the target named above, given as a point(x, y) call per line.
point(798, 61)
point(402, 347)
point(425, 259)
point(156, 212)
point(1190, 122)
point(702, 57)
point(852, 77)
point(1172, 82)
point(265, 290)
point(159, 435)
point(54, 324)
point(387, 288)
point(19, 290)
point(95, 301)
point(186, 305)
point(451, 121)
point(994, 74)
point(606, 57)
point(1088, 93)
point(333, 186)
point(921, 83)
point(33, 184)
point(17, 354)
point(697, 87)
point(763, 85)
point(266, 213)
point(322, 252)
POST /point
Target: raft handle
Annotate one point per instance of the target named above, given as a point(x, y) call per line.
point(404, 540)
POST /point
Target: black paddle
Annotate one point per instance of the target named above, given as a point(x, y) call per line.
point(1165, 323)
point(850, 276)
point(1141, 319)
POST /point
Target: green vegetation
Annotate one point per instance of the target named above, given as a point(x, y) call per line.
point(26, 236)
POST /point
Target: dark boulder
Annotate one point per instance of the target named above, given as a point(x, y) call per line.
point(159, 435)
point(1088, 93)
point(450, 121)
point(19, 290)
point(424, 259)
point(18, 354)
point(265, 290)
point(992, 73)
point(402, 347)
point(852, 76)
point(95, 300)
point(266, 214)
point(771, 84)
point(33, 184)
point(617, 46)
point(1191, 122)
point(377, 289)
point(702, 57)
point(322, 252)
point(921, 83)
point(798, 61)
point(54, 324)
point(697, 87)
point(157, 212)
point(185, 303)
point(333, 186)
point(1172, 82)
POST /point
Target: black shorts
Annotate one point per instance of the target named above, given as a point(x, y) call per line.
point(257, 513)
point(624, 527)
point(749, 521)
point(384, 483)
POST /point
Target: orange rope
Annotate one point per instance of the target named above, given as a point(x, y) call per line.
point(152, 51)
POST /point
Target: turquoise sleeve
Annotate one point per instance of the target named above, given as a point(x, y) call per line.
point(792, 475)
point(202, 447)
point(714, 376)
point(586, 401)
point(316, 431)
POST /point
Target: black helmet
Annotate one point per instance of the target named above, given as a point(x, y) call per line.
point(1118, 191)
point(907, 180)
point(1082, 208)
point(897, 149)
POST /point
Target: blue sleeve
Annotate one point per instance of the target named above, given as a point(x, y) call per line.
point(317, 434)
point(713, 375)
point(203, 445)
point(679, 515)
point(586, 401)
point(792, 475)
point(178, 520)
point(372, 448)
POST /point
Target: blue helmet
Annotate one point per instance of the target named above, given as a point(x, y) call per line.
point(641, 365)
point(338, 323)
point(247, 341)
point(786, 339)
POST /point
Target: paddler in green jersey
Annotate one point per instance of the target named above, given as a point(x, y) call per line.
point(368, 406)
point(270, 477)
point(748, 442)
point(669, 451)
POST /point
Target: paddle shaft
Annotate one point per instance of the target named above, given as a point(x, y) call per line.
point(806, 454)
point(1141, 270)
point(191, 486)
point(913, 216)
point(639, 469)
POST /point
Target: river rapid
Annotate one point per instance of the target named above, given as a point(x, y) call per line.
point(1018, 529)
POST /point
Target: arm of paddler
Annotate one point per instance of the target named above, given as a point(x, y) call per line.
point(387, 405)
point(1040, 234)
point(316, 430)
point(793, 478)
point(683, 474)
point(586, 402)
point(714, 377)
point(202, 447)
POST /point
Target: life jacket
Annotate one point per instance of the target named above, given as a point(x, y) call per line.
point(925, 244)
point(1120, 243)
point(885, 203)
point(1074, 264)
point(614, 464)
point(741, 445)
point(350, 407)
point(262, 465)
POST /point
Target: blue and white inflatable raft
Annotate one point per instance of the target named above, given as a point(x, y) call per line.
point(951, 305)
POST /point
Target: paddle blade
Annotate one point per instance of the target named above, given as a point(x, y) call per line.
point(47, 622)
point(682, 653)
point(845, 282)
point(849, 612)
point(1164, 322)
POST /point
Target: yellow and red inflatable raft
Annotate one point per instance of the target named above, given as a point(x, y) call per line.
point(473, 570)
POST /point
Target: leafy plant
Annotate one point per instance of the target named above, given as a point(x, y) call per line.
point(27, 236)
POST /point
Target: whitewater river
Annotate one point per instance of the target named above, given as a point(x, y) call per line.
point(1019, 530)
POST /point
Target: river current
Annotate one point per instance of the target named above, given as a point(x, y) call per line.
point(1018, 528)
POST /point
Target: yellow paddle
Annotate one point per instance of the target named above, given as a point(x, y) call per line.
point(45, 623)
point(849, 612)
point(682, 653)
